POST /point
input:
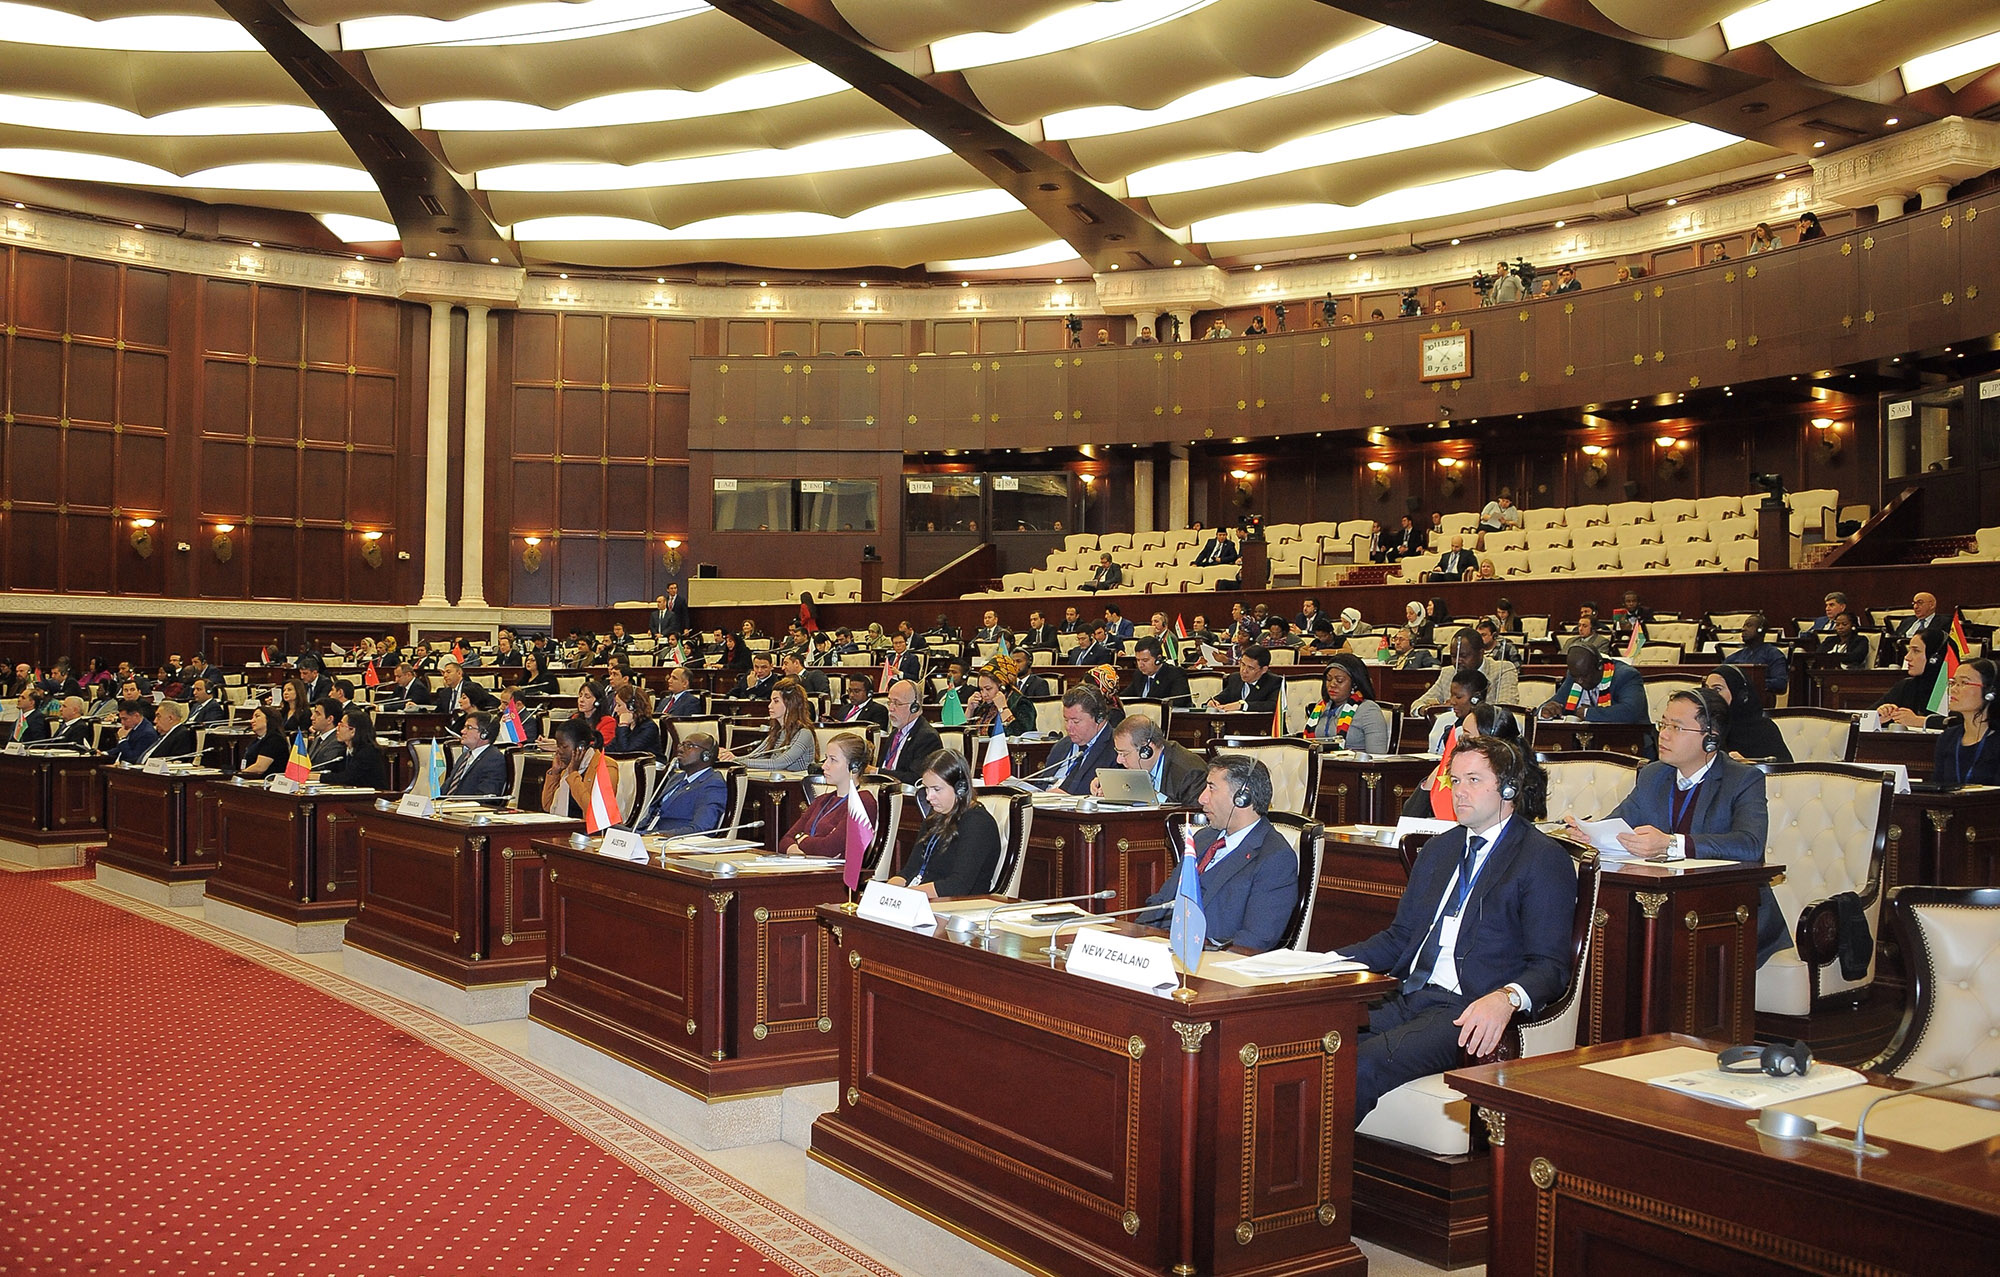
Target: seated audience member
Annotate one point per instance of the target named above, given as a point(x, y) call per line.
point(1845, 645)
point(907, 663)
point(638, 732)
point(1467, 691)
point(1468, 652)
point(1096, 652)
point(572, 774)
point(1963, 755)
point(360, 762)
point(322, 739)
point(481, 770)
point(1156, 679)
point(1909, 700)
point(1419, 620)
point(1408, 541)
point(860, 705)
point(1347, 716)
point(1505, 619)
point(680, 701)
point(593, 706)
point(1249, 874)
point(1177, 772)
point(1403, 653)
point(1697, 803)
point(1350, 625)
point(1597, 689)
point(1086, 744)
point(1487, 572)
point(1757, 651)
point(911, 740)
point(1116, 627)
point(693, 797)
point(32, 726)
point(536, 680)
point(1835, 603)
point(999, 696)
point(1497, 646)
point(1105, 576)
point(1747, 732)
point(793, 666)
point(1483, 719)
point(1455, 564)
point(204, 708)
point(1591, 632)
point(1481, 933)
point(1252, 687)
point(821, 829)
point(789, 745)
point(1039, 634)
point(136, 736)
point(763, 676)
point(1218, 550)
point(956, 850)
point(1381, 545)
point(176, 741)
point(269, 746)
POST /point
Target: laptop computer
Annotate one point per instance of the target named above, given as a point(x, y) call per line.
point(1123, 785)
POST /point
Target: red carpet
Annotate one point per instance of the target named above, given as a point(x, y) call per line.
point(168, 1106)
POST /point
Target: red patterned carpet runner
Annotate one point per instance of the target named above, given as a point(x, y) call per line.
point(174, 1100)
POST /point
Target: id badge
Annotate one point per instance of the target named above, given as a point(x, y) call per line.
point(1448, 942)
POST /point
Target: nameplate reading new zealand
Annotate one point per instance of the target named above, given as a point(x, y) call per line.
point(1137, 962)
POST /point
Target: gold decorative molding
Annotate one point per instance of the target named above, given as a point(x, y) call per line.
point(1651, 902)
point(1542, 1171)
point(1496, 1126)
point(1135, 1046)
point(1192, 1035)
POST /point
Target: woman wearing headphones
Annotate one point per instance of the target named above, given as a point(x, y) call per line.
point(957, 848)
point(1749, 732)
point(1965, 752)
point(1348, 718)
point(1908, 702)
point(821, 829)
point(593, 711)
point(574, 771)
point(1000, 694)
point(789, 745)
point(638, 731)
point(1467, 692)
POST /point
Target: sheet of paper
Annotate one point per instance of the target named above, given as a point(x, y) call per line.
point(1292, 962)
point(1936, 1122)
point(1603, 835)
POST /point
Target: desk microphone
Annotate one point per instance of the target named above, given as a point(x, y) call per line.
point(724, 829)
point(1055, 950)
point(963, 924)
point(1861, 1146)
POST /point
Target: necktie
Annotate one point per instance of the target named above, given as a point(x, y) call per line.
point(1208, 857)
point(660, 805)
point(1420, 971)
point(896, 747)
point(458, 772)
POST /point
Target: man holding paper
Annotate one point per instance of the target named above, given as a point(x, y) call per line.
point(1698, 803)
point(1249, 873)
point(1482, 930)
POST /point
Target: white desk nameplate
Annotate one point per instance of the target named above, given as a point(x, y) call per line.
point(1135, 962)
point(897, 906)
point(624, 844)
point(417, 805)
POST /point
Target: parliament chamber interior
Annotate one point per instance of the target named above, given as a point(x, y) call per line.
point(871, 637)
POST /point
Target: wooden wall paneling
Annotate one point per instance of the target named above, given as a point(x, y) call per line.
point(1047, 334)
point(1030, 394)
point(745, 337)
point(883, 339)
point(29, 641)
point(1003, 336)
point(111, 642)
point(794, 335)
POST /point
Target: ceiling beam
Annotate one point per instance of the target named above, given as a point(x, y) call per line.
point(1771, 104)
point(434, 213)
point(1104, 230)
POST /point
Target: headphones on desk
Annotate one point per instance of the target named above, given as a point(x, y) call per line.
point(1777, 1059)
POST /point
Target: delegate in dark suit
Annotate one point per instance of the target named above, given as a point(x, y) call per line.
point(671, 619)
point(1248, 895)
point(1215, 552)
point(1071, 767)
point(1181, 774)
point(1730, 820)
point(1260, 695)
point(1453, 564)
point(481, 775)
point(904, 752)
point(1628, 698)
point(869, 711)
point(177, 745)
point(1514, 929)
point(1043, 635)
point(1107, 576)
point(689, 803)
point(207, 713)
point(1168, 683)
point(33, 726)
point(682, 704)
point(76, 732)
point(137, 741)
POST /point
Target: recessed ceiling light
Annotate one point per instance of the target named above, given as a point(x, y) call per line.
point(1671, 203)
point(864, 283)
point(1559, 224)
point(1454, 243)
point(1259, 266)
point(661, 279)
point(137, 227)
point(1114, 266)
point(1819, 144)
point(253, 243)
point(1782, 176)
point(965, 283)
point(1177, 261)
point(1892, 122)
point(494, 260)
point(1352, 256)
point(433, 254)
point(563, 275)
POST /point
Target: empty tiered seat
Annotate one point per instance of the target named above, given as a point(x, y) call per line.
point(1548, 538)
point(1682, 533)
point(1594, 534)
point(1496, 541)
point(1632, 534)
point(1642, 557)
point(1553, 562)
point(1629, 512)
point(1461, 524)
point(1595, 558)
point(1536, 520)
point(1586, 516)
point(1693, 556)
point(1674, 510)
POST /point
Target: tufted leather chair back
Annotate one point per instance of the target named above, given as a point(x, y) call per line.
point(1659, 689)
point(1308, 839)
point(1950, 940)
point(1294, 767)
point(1818, 735)
point(1588, 784)
point(1829, 829)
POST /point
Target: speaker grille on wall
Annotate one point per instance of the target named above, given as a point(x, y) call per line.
point(1631, 490)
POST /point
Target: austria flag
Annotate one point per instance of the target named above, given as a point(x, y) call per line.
point(998, 764)
point(603, 811)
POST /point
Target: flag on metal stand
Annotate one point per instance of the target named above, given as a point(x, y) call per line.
point(604, 812)
point(860, 834)
point(997, 764)
point(1189, 930)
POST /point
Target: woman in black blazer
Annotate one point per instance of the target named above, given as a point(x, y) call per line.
point(362, 765)
point(536, 680)
point(957, 848)
point(638, 731)
point(1966, 753)
point(1909, 700)
point(271, 748)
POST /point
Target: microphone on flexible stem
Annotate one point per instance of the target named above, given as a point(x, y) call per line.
point(1055, 950)
point(962, 924)
point(1863, 1148)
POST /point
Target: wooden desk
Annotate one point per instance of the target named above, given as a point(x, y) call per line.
point(1368, 791)
point(1565, 735)
point(1213, 1136)
point(1947, 840)
point(146, 825)
point(1599, 1174)
point(1198, 729)
point(1852, 689)
point(777, 801)
point(717, 985)
point(1072, 852)
point(1916, 751)
point(51, 797)
point(413, 724)
point(1653, 969)
point(293, 857)
point(459, 901)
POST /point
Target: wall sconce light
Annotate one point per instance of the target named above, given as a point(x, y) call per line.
point(670, 557)
point(1379, 472)
point(142, 537)
point(371, 549)
point(1593, 474)
point(223, 546)
point(531, 554)
point(1239, 474)
point(1087, 479)
point(1829, 438)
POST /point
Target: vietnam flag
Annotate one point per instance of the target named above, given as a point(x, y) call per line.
point(1438, 783)
point(604, 811)
point(299, 766)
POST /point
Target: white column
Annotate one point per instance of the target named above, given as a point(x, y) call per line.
point(1889, 206)
point(437, 458)
point(472, 548)
point(1177, 487)
point(1932, 194)
point(1142, 495)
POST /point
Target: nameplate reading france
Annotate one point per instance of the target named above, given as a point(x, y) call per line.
point(1133, 961)
point(624, 844)
point(897, 906)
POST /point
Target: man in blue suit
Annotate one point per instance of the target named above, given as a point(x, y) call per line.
point(1482, 931)
point(1699, 803)
point(1249, 873)
point(1115, 624)
point(1073, 763)
point(481, 771)
point(1585, 692)
point(136, 735)
point(694, 796)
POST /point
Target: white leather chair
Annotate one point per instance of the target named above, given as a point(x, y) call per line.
point(1829, 830)
point(1950, 940)
point(1308, 839)
point(1587, 784)
point(1293, 764)
point(1818, 735)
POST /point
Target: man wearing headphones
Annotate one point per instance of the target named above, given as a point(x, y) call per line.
point(694, 795)
point(1482, 930)
point(1087, 746)
point(1177, 771)
point(1249, 873)
point(1157, 679)
point(1503, 680)
point(1699, 803)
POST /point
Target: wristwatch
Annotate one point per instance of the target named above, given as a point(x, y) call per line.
point(1514, 998)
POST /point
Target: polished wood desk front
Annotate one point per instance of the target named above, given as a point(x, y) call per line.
point(1916, 751)
point(1947, 839)
point(1199, 729)
point(1673, 949)
point(1566, 735)
point(1596, 1174)
point(51, 797)
point(1851, 689)
point(1367, 791)
point(293, 857)
point(1072, 852)
point(1214, 1136)
point(776, 800)
point(718, 985)
point(460, 901)
point(147, 825)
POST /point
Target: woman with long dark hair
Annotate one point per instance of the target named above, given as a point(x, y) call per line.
point(1965, 752)
point(1749, 732)
point(594, 708)
point(957, 847)
point(270, 745)
point(789, 745)
point(362, 764)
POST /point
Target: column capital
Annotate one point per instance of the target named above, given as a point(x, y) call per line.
point(459, 283)
point(1947, 151)
point(1188, 288)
